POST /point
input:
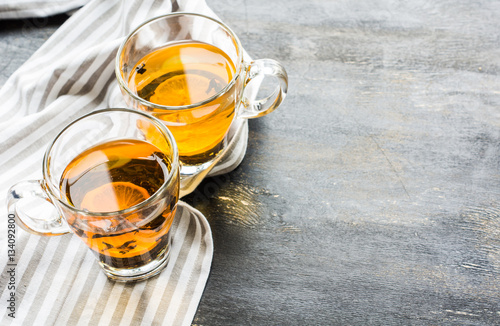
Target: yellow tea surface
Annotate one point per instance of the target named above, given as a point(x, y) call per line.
point(186, 73)
point(111, 177)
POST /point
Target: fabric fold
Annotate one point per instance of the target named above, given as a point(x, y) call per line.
point(17, 9)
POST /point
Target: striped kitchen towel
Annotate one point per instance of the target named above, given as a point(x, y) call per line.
point(56, 280)
point(15, 9)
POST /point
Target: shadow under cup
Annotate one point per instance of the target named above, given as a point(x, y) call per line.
point(132, 243)
point(200, 124)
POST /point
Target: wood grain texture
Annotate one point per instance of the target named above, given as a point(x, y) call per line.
point(377, 181)
point(371, 197)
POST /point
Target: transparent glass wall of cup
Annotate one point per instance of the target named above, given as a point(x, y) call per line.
point(200, 128)
point(133, 242)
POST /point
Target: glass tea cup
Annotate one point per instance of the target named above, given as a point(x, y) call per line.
point(112, 178)
point(189, 71)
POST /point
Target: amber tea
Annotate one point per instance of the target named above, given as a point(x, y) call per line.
point(185, 73)
point(191, 72)
point(115, 176)
point(118, 195)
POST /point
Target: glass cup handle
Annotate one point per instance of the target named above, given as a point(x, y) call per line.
point(33, 209)
point(256, 72)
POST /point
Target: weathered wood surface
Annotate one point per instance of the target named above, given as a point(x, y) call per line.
point(372, 195)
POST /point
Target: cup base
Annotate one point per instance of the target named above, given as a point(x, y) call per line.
point(192, 175)
point(188, 171)
point(192, 166)
point(140, 273)
point(197, 161)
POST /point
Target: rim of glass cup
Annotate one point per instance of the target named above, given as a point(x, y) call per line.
point(174, 165)
point(124, 85)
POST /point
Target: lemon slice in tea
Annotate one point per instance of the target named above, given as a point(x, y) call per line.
point(182, 90)
point(114, 196)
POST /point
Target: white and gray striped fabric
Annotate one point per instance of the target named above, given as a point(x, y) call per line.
point(15, 9)
point(57, 279)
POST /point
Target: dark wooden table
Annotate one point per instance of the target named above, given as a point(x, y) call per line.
point(372, 196)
